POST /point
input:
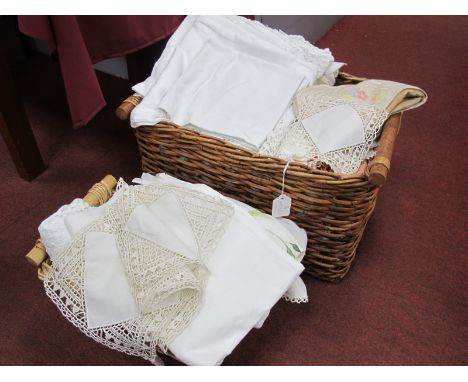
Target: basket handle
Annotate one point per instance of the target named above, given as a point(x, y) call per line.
point(97, 195)
point(380, 165)
point(126, 107)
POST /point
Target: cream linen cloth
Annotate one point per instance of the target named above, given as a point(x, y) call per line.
point(125, 262)
point(339, 125)
point(246, 259)
point(252, 74)
point(249, 272)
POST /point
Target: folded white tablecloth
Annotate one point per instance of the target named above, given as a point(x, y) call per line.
point(228, 76)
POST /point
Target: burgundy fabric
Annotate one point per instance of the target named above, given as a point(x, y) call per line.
point(404, 302)
point(83, 40)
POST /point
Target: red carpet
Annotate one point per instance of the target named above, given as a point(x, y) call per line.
point(405, 302)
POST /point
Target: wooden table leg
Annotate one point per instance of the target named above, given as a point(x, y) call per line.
point(15, 128)
point(140, 63)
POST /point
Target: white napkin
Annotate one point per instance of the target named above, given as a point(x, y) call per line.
point(255, 93)
point(108, 296)
point(165, 223)
point(248, 275)
point(231, 93)
point(249, 272)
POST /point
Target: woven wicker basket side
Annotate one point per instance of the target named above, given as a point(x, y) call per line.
point(333, 209)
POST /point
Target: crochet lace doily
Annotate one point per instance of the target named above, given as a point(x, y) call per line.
point(166, 286)
point(293, 142)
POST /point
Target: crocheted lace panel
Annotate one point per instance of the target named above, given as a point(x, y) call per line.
point(166, 286)
point(293, 142)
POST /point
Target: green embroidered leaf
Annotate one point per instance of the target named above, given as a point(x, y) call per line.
point(254, 212)
point(295, 247)
point(290, 253)
point(257, 213)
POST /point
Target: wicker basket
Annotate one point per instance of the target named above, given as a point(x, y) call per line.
point(333, 209)
point(96, 196)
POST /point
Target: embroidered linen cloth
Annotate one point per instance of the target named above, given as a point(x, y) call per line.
point(133, 271)
point(339, 125)
point(248, 274)
point(129, 283)
point(241, 74)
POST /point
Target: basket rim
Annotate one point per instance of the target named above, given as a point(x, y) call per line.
point(233, 151)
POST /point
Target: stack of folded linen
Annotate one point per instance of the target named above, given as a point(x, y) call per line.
point(231, 77)
point(173, 266)
point(269, 92)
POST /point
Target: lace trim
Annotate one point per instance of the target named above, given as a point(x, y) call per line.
point(294, 44)
point(297, 300)
point(295, 143)
point(167, 287)
point(278, 134)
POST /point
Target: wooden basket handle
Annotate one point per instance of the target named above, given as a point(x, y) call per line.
point(126, 107)
point(97, 195)
point(380, 166)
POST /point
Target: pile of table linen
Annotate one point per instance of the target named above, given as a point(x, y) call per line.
point(169, 266)
point(230, 77)
point(269, 92)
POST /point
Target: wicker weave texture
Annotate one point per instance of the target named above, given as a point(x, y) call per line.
point(334, 210)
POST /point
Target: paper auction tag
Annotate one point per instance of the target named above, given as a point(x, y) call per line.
point(281, 206)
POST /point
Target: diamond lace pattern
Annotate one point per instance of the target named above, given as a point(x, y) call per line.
point(167, 287)
point(293, 141)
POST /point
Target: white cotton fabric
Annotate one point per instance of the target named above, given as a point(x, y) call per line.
point(246, 259)
point(231, 93)
point(280, 230)
point(53, 231)
point(75, 222)
point(249, 273)
point(335, 128)
point(241, 74)
point(166, 286)
point(156, 224)
point(329, 77)
point(108, 296)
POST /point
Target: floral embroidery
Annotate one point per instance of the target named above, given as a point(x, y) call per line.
point(361, 94)
point(356, 94)
point(291, 248)
point(256, 213)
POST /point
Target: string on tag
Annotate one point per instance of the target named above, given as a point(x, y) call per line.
point(282, 204)
point(284, 176)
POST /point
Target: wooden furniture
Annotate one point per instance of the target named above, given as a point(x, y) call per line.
point(14, 125)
